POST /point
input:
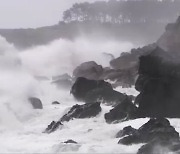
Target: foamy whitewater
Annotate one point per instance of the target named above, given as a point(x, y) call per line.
point(21, 126)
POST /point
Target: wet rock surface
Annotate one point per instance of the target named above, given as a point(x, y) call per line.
point(70, 142)
point(82, 111)
point(159, 85)
point(35, 102)
point(125, 110)
point(157, 133)
point(76, 112)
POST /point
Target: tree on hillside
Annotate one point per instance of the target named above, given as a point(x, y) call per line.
point(133, 11)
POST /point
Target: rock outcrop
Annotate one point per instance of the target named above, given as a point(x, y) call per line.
point(156, 128)
point(125, 110)
point(82, 111)
point(159, 85)
point(76, 112)
point(159, 135)
point(95, 90)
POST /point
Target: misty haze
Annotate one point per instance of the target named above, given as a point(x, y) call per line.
point(90, 76)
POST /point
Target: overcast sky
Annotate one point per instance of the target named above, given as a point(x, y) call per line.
point(32, 13)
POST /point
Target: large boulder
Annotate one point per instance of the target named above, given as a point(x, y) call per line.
point(35, 102)
point(82, 86)
point(90, 70)
point(159, 85)
point(96, 90)
point(123, 111)
point(155, 129)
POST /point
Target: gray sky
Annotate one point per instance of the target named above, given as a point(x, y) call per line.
point(32, 13)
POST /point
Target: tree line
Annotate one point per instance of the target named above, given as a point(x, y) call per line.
point(124, 11)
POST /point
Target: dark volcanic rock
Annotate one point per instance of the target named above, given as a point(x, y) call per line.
point(123, 111)
point(126, 131)
point(159, 85)
point(70, 141)
point(158, 146)
point(55, 103)
point(154, 129)
point(77, 111)
point(92, 91)
point(36, 102)
point(53, 126)
point(82, 86)
point(82, 111)
point(90, 70)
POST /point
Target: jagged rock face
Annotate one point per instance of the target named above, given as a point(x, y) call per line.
point(36, 102)
point(159, 85)
point(170, 40)
point(123, 111)
point(129, 61)
point(76, 111)
point(155, 129)
point(82, 111)
point(90, 70)
point(160, 137)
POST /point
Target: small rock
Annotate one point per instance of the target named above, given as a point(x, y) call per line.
point(70, 141)
point(55, 103)
point(36, 102)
